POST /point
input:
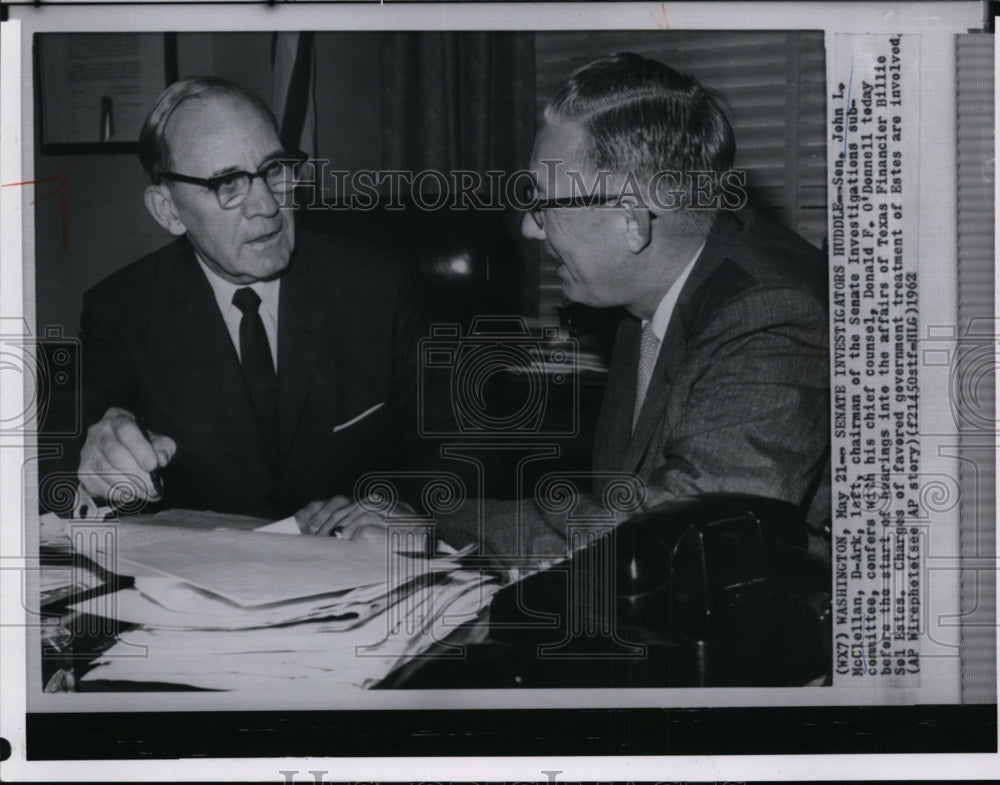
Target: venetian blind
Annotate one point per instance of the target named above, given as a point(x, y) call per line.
point(775, 85)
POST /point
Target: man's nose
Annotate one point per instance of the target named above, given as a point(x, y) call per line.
point(530, 229)
point(260, 200)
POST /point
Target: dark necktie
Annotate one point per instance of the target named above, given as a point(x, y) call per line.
point(258, 367)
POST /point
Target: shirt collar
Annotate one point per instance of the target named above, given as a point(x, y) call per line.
point(661, 318)
point(267, 291)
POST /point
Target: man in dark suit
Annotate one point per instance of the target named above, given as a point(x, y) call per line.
point(719, 374)
point(255, 368)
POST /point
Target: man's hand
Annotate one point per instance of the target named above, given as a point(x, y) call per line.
point(344, 518)
point(341, 517)
point(116, 459)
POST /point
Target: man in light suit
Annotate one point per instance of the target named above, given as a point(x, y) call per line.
point(254, 367)
point(719, 374)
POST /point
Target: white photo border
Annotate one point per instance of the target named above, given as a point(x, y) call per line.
point(932, 21)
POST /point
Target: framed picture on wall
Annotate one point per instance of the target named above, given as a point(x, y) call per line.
point(96, 88)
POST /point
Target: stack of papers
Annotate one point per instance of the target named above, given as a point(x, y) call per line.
point(324, 654)
point(61, 576)
point(245, 610)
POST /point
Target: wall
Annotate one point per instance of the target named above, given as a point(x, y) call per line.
point(348, 100)
point(107, 226)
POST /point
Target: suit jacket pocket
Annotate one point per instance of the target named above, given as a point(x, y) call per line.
point(358, 418)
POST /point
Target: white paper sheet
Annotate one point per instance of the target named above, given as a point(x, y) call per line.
point(285, 526)
point(249, 568)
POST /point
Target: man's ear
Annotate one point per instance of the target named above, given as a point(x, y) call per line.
point(638, 232)
point(160, 204)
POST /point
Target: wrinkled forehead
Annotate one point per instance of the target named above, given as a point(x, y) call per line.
point(211, 128)
point(559, 158)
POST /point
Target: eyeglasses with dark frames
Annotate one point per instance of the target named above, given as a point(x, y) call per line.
point(537, 204)
point(232, 188)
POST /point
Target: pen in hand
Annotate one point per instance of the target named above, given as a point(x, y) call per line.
point(156, 475)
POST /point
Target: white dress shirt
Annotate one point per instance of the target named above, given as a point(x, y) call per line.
point(661, 318)
point(231, 315)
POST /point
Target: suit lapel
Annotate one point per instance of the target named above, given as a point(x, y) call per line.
point(674, 346)
point(194, 324)
point(300, 324)
point(671, 356)
point(614, 427)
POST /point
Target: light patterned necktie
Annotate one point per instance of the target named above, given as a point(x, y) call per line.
point(649, 349)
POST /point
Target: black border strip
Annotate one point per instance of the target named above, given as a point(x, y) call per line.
point(512, 732)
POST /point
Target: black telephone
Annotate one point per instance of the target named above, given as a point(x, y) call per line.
point(718, 589)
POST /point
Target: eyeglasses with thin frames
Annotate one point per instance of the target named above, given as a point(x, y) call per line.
point(232, 188)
